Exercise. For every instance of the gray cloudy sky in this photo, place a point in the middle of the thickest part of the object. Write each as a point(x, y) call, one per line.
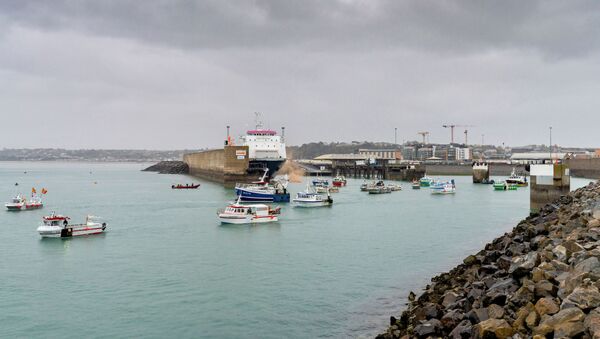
point(171, 74)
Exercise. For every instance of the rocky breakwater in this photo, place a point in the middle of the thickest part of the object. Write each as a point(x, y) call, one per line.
point(541, 280)
point(169, 167)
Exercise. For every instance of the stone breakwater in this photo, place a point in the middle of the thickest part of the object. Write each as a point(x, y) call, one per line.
point(169, 167)
point(541, 280)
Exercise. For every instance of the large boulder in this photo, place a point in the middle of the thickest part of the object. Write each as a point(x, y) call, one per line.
point(560, 253)
point(449, 298)
point(522, 265)
point(495, 312)
point(462, 331)
point(572, 247)
point(428, 311)
point(494, 328)
point(429, 328)
point(591, 264)
point(592, 323)
point(545, 288)
point(566, 323)
point(451, 319)
point(546, 305)
point(584, 297)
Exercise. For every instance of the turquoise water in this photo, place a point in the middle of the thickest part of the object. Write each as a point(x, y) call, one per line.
point(166, 268)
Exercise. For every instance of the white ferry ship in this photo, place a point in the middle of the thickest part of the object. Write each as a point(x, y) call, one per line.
point(266, 149)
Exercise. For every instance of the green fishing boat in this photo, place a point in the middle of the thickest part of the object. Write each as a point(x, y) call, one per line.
point(425, 181)
point(504, 186)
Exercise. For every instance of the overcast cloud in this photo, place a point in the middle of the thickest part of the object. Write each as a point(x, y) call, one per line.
point(173, 74)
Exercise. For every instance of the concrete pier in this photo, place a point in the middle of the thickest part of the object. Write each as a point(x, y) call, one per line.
point(548, 183)
point(481, 172)
point(227, 166)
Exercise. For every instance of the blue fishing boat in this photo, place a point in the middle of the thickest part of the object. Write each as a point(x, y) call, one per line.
point(448, 187)
point(263, 191)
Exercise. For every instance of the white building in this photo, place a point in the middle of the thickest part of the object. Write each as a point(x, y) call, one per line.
point(463, 154)
point(389, 154)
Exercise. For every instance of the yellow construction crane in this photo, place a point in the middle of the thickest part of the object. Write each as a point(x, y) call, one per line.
point(451, 126)
point(425, 136)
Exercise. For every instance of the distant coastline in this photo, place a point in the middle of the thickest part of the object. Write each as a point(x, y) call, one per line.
point(90, 155)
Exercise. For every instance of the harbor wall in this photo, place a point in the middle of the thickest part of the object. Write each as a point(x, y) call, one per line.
point(584, 168)
point(466, 169)
point(225, 166)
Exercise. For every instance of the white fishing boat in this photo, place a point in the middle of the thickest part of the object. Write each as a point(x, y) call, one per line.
point(240, 214)
point(378, 187)
point(515, 179)
point(447, 187)
point(395, 187)
point(57, 226)
point(20, 203)
point(310, 198)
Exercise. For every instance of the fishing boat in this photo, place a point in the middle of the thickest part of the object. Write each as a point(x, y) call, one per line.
point(504, 186)
point(186, 186)
point(364, 187)
point(57, 226)
point(339, 181)
point(310, 198)
point(20, 203)
point(321, 189)
point(395, 187)
point(447, 187)
point(240, 214)
point(263, 191)
point(426, 181)
point(416, 185)
point(515, 179)
point(378, 188)
point(320, 182)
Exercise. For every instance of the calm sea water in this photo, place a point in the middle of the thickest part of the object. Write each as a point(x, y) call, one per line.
point(166, 268)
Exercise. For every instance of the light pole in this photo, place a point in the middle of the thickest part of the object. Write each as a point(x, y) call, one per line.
point(395, 135)
point(551, 144)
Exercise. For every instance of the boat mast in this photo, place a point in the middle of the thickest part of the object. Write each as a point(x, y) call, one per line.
point(258, 120)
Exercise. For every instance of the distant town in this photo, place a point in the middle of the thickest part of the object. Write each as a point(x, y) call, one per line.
point(409, 151)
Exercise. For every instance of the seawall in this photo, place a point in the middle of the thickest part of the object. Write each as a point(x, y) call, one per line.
point(585, 168)
point(466, 169)
point(541, 280)
point(227, 166)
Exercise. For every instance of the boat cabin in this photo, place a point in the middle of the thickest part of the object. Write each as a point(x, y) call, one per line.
point(258, 210)
point(309, 195)
point(17, 200)
point(56, 220)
